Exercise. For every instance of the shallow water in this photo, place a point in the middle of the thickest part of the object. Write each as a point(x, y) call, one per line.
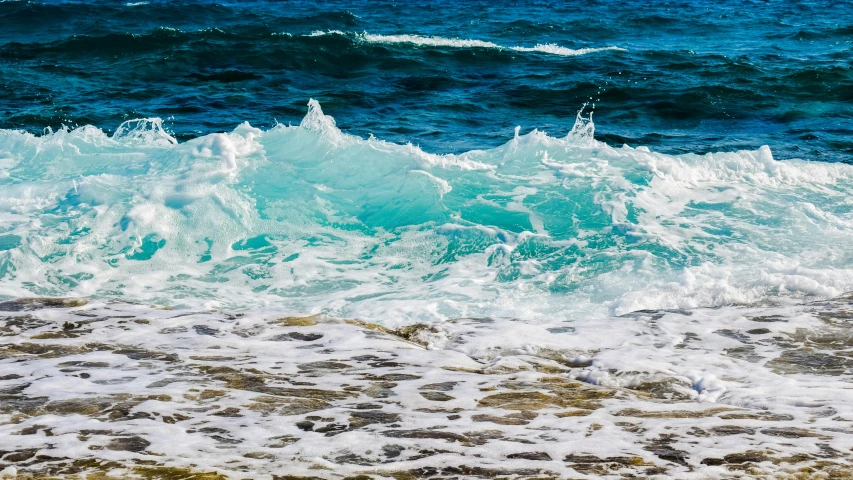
point(126, 391)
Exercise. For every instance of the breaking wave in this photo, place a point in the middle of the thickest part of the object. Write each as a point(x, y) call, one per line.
point(311, 219)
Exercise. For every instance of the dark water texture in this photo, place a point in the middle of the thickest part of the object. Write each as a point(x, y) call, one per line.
point(696, 76)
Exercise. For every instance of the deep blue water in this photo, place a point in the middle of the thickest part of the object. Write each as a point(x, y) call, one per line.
point(694, 76)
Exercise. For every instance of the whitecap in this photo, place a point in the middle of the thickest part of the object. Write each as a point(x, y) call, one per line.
point(438, 41)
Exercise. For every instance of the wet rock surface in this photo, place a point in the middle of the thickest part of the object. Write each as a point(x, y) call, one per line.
point(142, 393)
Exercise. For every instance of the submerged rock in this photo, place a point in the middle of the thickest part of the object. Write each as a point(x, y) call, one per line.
point(129, 444)
point(25, 304)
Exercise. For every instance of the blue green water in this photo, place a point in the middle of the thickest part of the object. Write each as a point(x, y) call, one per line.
point(167, 152)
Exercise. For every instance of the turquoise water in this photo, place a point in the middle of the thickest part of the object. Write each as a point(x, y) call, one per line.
point(420, 200)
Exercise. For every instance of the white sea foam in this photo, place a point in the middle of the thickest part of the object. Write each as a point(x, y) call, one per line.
point(566, 52)
point(430, 41)
point(436, 41)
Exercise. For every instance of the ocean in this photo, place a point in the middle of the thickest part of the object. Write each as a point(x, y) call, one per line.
point(615, 186)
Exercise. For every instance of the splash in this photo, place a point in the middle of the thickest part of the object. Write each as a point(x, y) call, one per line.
point(144, 131)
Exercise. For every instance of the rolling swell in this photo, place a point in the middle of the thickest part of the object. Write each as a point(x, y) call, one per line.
point(38, 20)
